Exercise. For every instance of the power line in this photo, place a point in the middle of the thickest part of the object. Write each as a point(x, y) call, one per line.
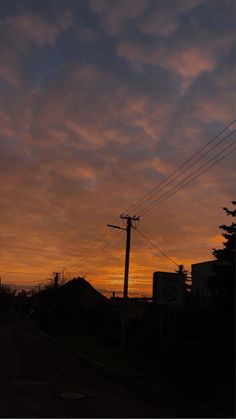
point(189, 181)
point(100, 245)
point(102, 238)
point(139, 207)
point(154, 245)
point(145, 197)
point(100, 241)
point(96, 244)
point(103, 246)
point(178, 186)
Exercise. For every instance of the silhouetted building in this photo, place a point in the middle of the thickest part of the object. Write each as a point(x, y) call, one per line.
point(201, 272)
point(81, 293)
point(202, 275)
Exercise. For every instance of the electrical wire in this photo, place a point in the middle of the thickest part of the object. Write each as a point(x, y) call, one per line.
point(103, 235)
point(186, 166)
point(102, 246)
point(174, 190)
point(154, 245)
point(139, 207)
point(100, 242)
point(184, 183)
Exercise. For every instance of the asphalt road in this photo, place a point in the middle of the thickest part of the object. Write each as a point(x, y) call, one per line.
point(36, 373)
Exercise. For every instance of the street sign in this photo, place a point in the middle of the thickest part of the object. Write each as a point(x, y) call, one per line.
point(168, 288)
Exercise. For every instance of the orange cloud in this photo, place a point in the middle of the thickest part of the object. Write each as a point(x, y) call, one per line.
point(183, 58)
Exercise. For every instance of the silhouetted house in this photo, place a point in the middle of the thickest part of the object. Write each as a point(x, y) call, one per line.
point(71, 305)
point(80, 294)
point(79, 304)
point(201, 272)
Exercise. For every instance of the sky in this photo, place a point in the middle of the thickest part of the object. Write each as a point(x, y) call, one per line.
point(101, 101)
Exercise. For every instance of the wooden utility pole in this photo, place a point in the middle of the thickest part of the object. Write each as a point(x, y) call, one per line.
point(124, 317)
point(127, 253)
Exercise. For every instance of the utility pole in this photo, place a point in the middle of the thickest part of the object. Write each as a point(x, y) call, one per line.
point(127, 253)
point(124, 319)
point(56, 279)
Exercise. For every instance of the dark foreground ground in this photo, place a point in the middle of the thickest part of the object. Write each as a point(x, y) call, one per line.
point(35, 373)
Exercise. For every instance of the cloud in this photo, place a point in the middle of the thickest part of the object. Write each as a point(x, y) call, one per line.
point(117, 13)
point(160, 18)
point(20, 33)
point(211, 97)
point(115, 111)
point(26, 29)
point(165, 17)
point(186, 53)
point(183, 58)
point(86, 34)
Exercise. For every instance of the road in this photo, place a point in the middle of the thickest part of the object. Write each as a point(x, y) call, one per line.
point(36, 373)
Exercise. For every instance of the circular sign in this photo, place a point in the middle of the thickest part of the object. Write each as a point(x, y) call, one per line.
point(170, 293)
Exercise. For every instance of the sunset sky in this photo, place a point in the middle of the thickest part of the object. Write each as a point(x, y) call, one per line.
point(100, 101)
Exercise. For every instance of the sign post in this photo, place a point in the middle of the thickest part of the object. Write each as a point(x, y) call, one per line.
point(168, 288)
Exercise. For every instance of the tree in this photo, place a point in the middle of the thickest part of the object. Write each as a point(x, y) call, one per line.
point(6, 298)
point(228, 252)
point(222, 284)
point(187, 279)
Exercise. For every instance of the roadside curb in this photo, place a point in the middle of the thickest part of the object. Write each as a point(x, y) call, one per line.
point(109, 372)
